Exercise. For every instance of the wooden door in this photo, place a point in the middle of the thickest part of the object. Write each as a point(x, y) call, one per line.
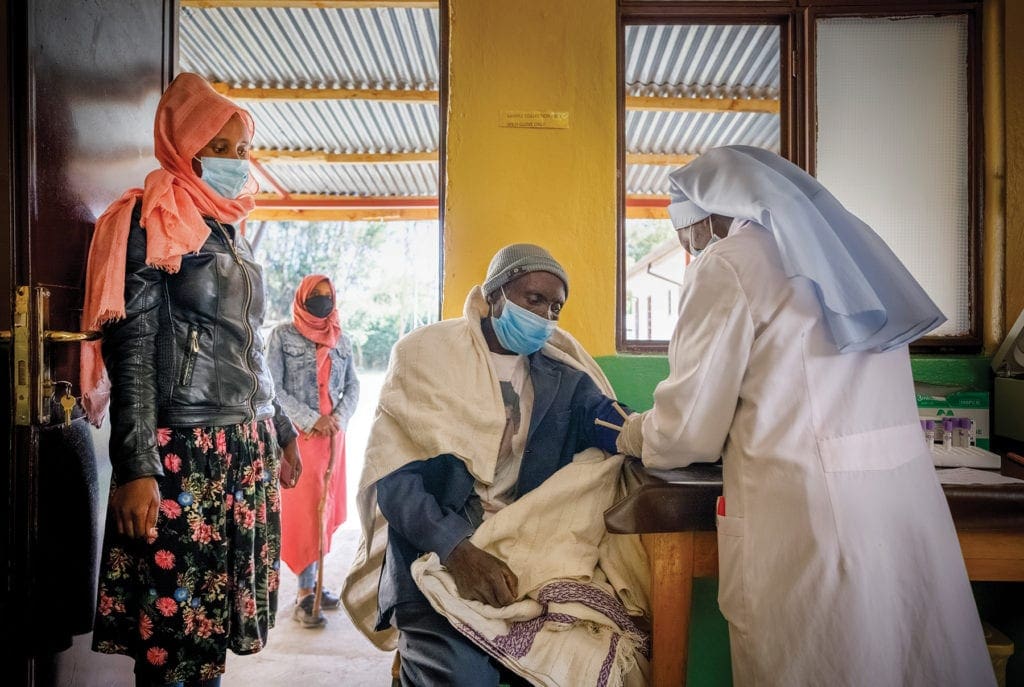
point(81, 80)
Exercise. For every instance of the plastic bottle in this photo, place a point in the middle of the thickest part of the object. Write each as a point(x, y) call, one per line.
point(947, 433)
point(929, 432)
point(970, 434)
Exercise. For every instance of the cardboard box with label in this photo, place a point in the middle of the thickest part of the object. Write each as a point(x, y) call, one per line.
point(938, 403)
point(1008, 385)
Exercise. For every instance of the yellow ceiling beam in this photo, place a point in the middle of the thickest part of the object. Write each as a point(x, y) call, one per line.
point(323, 157)
point(331, 201)
point(650, 103)
point(332, 208)
point(646, 213)
point(381, 94)
point(426, 156)
point(344, 215)
point(311, 4)
point(660, 159)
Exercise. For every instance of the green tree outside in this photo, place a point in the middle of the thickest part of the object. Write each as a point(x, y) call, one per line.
point(385, 275)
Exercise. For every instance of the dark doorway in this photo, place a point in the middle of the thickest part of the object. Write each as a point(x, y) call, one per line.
point(80, 84)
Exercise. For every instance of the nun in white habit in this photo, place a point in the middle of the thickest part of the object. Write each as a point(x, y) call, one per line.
point(839, 563)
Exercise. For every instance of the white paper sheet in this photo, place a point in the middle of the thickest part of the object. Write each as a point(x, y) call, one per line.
point(972, 476)
point(964, 457)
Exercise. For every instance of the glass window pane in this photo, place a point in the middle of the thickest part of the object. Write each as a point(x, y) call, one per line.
point(689, 88)
point(892, 142)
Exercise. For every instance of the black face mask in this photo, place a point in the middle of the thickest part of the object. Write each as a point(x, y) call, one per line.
point(319, 306)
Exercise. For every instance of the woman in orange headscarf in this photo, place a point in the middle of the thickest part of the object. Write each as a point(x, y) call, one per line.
point(311, 361)
point(198, 444)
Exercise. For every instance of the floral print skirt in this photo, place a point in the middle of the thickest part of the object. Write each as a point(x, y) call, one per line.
point(209, 581)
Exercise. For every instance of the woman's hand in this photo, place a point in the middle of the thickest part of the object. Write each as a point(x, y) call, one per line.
point(482, 577)
point(291, 465)
point(134, 506)
point(326, 426)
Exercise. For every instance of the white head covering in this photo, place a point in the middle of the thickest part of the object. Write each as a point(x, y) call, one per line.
point(685, 212)
point(870, 300)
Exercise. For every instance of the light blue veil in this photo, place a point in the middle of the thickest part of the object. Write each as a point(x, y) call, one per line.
point(869, 299)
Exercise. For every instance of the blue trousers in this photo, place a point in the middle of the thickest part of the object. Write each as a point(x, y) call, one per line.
point(435, 653)
point(307, 578)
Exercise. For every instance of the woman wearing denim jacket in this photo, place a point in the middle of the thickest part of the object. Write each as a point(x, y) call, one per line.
point(311, 362)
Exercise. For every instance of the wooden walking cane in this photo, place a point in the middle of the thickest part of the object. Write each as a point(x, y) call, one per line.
point(318, 592)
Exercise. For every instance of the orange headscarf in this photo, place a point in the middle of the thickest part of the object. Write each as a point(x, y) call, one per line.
point(324, 331)
point(174, 202)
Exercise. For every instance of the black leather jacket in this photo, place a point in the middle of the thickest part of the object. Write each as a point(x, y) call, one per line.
point(188, 352)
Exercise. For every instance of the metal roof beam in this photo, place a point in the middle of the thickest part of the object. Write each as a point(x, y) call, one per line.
point(660, 159)
point(344, 215)
point(324, 201)
point(296, 201)
point(651, 103)
point(647, 201)
point(646, 213)
point(381, 94)
point(276, 157)
point(312, 4)
point(330, 208)
point(267, 155)
point(647, 207)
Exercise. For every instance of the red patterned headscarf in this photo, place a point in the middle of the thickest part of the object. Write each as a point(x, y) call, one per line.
point(324, 331)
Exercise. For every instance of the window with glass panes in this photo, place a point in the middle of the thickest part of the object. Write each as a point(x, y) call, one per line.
point(877, 100)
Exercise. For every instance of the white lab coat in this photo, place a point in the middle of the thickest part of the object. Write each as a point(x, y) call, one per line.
point(839, 563)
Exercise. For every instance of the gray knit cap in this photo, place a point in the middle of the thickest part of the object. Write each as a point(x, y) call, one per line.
point(516, 260)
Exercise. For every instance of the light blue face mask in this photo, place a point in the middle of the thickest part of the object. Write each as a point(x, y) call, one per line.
point(694, 251)
point(225, 175)
point(520, 330)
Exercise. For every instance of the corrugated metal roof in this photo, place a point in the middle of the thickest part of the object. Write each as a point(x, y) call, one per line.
point(345, 126)
point(698, 61)
point(373, 48)
point(397, 48)
point(400, 179)
point(695, 132)
point(730, 61)
point(312, 48)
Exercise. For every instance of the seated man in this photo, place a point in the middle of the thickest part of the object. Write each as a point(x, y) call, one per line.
point(475, 413)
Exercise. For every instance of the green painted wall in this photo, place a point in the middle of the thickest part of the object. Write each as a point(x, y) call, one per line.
point(969, 371)
point(635, 376)
point(708, 663)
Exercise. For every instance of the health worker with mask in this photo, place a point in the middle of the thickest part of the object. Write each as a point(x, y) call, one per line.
point(475, 412)
point(839, 563)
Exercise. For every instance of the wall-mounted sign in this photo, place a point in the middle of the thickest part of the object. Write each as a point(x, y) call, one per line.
point(533, 119)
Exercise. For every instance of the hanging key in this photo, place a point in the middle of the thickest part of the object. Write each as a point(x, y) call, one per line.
point(67, 402)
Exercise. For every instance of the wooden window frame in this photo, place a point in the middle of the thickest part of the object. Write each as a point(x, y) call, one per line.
point(797, 22)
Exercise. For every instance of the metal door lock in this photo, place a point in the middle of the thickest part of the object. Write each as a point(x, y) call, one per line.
point(33, 385)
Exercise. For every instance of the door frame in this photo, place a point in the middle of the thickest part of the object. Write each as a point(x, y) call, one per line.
point(18, 146)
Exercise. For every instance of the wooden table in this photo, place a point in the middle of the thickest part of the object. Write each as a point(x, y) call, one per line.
point(676, 521)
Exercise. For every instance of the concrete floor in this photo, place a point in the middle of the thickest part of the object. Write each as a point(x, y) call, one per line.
point(336, 654)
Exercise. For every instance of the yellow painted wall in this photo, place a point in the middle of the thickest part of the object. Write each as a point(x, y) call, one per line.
point(1014, 160)
point(552, 187)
